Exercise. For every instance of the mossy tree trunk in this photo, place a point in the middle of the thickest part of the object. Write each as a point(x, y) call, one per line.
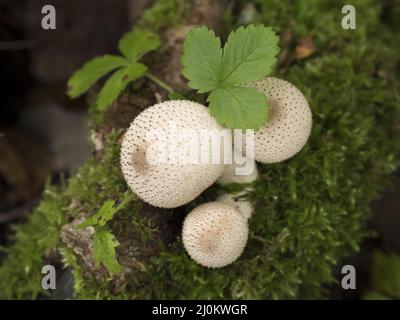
point(311, 211)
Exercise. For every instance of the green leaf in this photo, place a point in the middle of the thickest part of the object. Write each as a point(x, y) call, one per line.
point(202, 59)
point(104, 244)
point(249, 54)
point(239, 107)
point(138, 42)
point(117, 83)
point(92, 71)
point(133, 46)
point(106, 212)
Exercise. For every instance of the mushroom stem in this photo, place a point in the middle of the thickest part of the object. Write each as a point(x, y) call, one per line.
point(245, 207)
point(160, 83)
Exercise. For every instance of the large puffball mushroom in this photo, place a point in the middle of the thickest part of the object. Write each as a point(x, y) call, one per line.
point(236, 200)
point(157, 149)
point(214, 234)
point(289, 126)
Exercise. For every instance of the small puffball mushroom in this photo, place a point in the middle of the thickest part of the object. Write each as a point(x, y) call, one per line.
point(214, 234)
point(169, 183)
point(289, 126)
point(245, 207)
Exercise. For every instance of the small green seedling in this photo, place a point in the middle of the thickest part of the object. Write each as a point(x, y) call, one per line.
point(104, 242)
point(248, 56)
point(126, 67)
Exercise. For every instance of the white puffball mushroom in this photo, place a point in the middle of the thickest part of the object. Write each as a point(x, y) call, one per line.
point(214, 234)
point(289, 125)
point(176, 180)
point(244, 206)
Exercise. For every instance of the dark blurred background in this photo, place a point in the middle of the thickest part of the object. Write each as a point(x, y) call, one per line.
point(43, 134)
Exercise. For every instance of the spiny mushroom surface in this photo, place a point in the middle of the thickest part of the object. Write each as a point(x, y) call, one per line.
point(214, 234)
point(168, 184)
point(236, 200)
point(289, 126)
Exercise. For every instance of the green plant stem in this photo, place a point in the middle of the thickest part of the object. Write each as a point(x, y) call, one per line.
point(160, 83)
point(127, 198)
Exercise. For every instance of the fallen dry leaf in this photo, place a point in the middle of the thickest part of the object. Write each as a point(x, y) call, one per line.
point(305, 48)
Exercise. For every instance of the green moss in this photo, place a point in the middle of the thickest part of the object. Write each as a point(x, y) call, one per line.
point(20, 273)
point(311, 211)
point(69, 260)
point(163, 14)
point(98, 181)
point(93, 184)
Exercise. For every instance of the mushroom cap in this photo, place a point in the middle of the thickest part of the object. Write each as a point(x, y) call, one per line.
point(168, 184)
point(214, 234)
point(289, 126)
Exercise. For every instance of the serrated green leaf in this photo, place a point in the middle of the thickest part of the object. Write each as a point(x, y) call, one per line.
point(249, 54)
point(238, 107)
point(92, 71)
point(104, 244)
point(202, 59)
point(133, 45)
point(117, 83)
point(107, 212)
